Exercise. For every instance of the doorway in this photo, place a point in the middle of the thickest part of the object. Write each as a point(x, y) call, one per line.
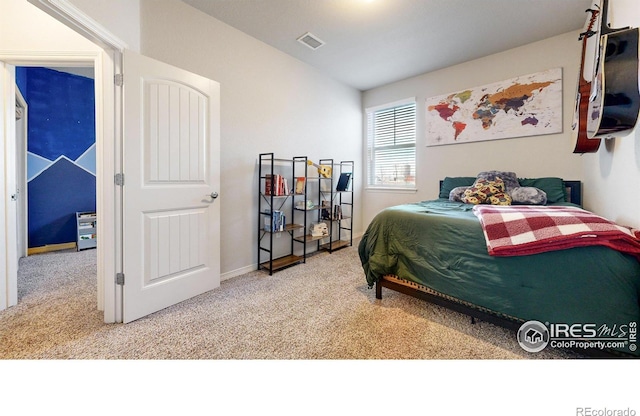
point(55, 159)
point(60, 161)
point(65, 37)
point(102, 66)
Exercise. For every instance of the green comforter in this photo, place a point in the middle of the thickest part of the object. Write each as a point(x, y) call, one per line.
point(440, 244)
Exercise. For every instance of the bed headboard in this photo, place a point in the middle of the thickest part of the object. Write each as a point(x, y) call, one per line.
point(573, 190)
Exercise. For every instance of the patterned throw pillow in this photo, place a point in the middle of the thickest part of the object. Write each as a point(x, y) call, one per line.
point(482, 189)
point(457, 193)
point(499, 199)
point(510, 179)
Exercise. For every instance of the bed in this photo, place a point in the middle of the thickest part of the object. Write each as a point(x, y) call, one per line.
point(436, 250)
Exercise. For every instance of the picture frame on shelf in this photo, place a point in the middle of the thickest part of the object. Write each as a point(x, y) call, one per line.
point(343, 182)
point(300, 185)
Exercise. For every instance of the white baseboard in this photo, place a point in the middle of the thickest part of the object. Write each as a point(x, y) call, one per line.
point(248, 269)
point(238, 272)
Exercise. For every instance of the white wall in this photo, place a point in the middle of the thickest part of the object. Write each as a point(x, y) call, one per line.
point(607, 175)
point(612, 180)
point(24, 27)
point(270, 102)
point(122, 17)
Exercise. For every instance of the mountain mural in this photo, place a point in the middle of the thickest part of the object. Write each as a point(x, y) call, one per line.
point(54, 197)
point(38, 164)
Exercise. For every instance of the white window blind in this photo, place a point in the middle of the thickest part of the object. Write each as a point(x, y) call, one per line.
point(391, 145)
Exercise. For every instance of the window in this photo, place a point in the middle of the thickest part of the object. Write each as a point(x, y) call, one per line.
point(391, 145)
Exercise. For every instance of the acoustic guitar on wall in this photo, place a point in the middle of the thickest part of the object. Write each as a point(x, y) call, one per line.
point(614, 103)
point(579, 126)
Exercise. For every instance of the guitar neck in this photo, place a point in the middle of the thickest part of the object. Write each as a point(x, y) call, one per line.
point(584, 37)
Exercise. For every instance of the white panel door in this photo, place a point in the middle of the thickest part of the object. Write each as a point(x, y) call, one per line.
point(171, 221)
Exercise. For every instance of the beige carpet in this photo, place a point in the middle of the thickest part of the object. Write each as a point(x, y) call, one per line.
point(319, 310)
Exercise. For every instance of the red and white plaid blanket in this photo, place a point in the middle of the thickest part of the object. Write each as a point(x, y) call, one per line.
point(523, 230)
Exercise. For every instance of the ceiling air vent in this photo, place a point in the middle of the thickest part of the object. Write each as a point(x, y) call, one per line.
point(310, 40)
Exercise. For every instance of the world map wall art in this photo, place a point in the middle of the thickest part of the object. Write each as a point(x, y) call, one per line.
point(528, 105)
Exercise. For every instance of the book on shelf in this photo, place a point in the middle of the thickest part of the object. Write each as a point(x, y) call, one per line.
point(337, 212)
point(334, 214)
point(268, 183)
point(276, 185)
point(343, 182)
point(274, 221)
point(324, 213)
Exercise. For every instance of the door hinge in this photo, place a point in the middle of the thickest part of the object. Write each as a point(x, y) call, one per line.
point(118, 79)
point(120, 279)
point(119, 179)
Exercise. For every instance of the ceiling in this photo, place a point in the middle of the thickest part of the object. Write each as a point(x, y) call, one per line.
point(369, 43)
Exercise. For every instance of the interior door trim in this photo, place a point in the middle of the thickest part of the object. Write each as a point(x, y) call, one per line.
point(108, 147)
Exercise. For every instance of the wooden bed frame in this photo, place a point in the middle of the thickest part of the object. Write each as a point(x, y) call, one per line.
point(574, 195)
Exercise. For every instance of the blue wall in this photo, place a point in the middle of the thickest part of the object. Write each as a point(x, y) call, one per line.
point(60, 152)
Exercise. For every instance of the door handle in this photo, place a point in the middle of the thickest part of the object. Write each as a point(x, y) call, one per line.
point(213, 195)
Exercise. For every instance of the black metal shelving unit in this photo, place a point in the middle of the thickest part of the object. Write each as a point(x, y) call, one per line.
point(309, 199)
point(339, 210)
point(271, 204)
